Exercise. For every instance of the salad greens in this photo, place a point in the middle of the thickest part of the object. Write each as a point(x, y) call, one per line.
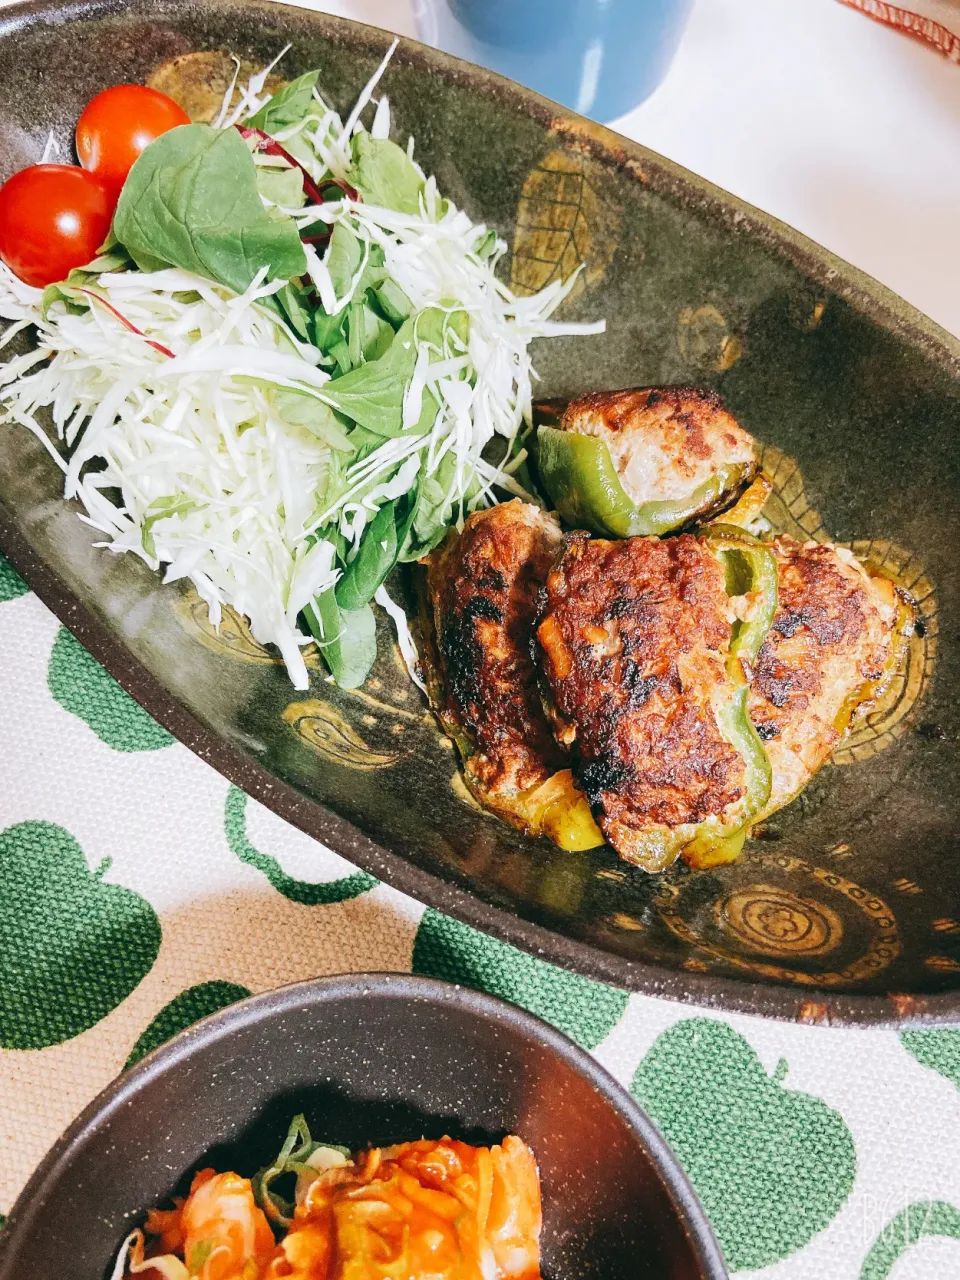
point(191, 201)
point(287, 106)
point(295, 362)
point(385, 175)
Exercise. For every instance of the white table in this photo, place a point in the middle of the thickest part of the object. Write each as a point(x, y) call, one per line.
point(844, 129)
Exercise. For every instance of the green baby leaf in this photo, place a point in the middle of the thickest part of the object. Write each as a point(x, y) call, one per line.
point(287, 106)
point(486, 246)
point(328, 330)
point(160, 509)
point(343, 258)
point(435, 324)
point(368, 332)
point(300, 409)
point(374, 560)
point(191, 201)
point(384, 174)
point(393, 302)
point(434, 512)
point(82, 278)
point(293, 306)
point(346, 638)
point(373, 394)
point(281, 185)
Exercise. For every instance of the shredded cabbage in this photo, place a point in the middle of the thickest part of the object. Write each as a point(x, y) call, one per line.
point(215, 485)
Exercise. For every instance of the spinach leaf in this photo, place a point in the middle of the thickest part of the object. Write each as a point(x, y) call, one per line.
point(374, 273)
point(300, 409)
point(173, 505)
point(373, 394)
point(346, 638)
point(292, 304)
point(375, 558)
point(365, 442)
point(355, 334)
point(343, 258)
point(486, 246)
point(191, 201)
point(434, 322)
point(333, 488)
point(434, 514)
point(82, 278)
point(341, 353)
point(287, 106)
point(368, 334)
point(301, 151)
point(283, 186)
point(327, 330)
point(526, 474)
point(384, 174)
point(393, 302)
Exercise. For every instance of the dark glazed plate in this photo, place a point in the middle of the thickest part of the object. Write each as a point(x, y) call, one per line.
point(369, 1058)
point(851, 894)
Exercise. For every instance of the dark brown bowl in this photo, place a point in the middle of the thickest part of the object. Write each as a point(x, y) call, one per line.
point(847, 905)
point(368, 1058)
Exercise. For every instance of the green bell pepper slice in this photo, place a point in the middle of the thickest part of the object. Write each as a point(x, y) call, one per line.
point(751, 569)
point(716, 842)
point(578, 474)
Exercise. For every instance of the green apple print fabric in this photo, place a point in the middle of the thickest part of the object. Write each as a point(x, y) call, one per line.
point(772, 1166)
point(183, 1011)
point(72, 945)
point(83, 688)
point(584, 1010)
point(140, 892)
point(11, 584)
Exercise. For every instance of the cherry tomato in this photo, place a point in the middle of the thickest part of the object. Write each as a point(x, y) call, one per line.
point(118, 124)
point(53, 217)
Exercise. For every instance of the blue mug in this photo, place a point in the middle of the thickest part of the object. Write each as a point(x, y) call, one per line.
point(600, 57)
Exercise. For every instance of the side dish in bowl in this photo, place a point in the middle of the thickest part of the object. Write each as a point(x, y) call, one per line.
point(422, 1210)
point(461, 1137)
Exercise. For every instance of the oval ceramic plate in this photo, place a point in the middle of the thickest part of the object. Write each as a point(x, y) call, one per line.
point(848, 907)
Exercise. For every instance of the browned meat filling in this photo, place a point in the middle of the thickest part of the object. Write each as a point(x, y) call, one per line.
point(664, 441)
point(483, 587)
point(635, 636)
point(830, 646)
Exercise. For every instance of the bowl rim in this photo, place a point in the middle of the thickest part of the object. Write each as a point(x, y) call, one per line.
point(807, 1004)
point(125, 1089)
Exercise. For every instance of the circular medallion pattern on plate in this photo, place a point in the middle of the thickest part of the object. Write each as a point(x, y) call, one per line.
point(801, 924)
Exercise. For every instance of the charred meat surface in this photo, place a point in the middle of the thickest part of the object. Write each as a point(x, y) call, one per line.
point(635, 635)
point(830, 647)
point(483, 587)
point(665, 442)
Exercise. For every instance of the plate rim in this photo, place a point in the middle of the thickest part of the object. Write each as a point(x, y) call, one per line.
point(812, 1005)
point(124, 1089)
